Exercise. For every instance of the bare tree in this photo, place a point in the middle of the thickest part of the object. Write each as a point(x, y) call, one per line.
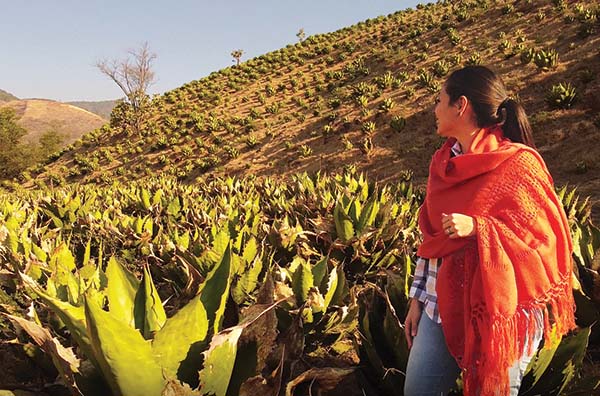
point(237, 55)
point(301, 35)
point(133, 75)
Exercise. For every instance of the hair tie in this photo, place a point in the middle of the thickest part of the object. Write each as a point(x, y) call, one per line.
point(505, 102)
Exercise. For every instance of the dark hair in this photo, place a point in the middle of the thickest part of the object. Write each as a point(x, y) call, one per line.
point(490, 102)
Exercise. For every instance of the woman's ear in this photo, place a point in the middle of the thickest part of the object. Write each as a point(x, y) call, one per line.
point(462, 104)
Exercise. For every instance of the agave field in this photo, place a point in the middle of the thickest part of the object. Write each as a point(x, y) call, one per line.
point(236, 287)
point(186, 281)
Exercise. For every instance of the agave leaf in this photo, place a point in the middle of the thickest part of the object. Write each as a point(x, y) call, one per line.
point(215, 291)
point(332, 284)
point(342, 289)
point(247, 283)
point(302, 280)
point(125, 358)
point(250, 250)
point(327, 378)
point(368, 215)
point(61, 259)
point(73, 317)
point(174, 207)
point(64, 359)
point(148, 310)
point(220, 244)
point(178, 345)
point(220, 358)
point(319, 270)
point(121, 291)
point(145, 199)
point(343, 223)
point(354, 211)
point(407, 274)
point(550, 371)
point(156, 198)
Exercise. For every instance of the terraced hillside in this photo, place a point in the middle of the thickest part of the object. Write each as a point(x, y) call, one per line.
point(363, 96)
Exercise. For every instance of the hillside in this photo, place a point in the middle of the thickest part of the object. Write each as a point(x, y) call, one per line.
point(39, 116)
point(363, 96)
point(101, 108)
point(6, 96)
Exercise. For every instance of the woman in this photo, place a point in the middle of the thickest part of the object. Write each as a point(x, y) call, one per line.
point(494, 268)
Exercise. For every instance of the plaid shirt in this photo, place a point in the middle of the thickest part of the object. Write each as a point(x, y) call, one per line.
point(423, 286)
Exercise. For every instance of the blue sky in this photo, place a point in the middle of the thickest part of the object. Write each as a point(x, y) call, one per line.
point(49, 47)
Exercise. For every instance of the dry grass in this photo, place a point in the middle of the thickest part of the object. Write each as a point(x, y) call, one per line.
point(38, 116)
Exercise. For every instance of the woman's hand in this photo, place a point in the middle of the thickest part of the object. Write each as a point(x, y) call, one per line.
point(458, 225)
point(412, 320)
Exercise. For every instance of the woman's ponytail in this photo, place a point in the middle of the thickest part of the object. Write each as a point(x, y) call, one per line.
point(491, 104)
point(515, 125)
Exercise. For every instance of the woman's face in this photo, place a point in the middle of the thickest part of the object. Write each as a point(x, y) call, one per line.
point(446, 114)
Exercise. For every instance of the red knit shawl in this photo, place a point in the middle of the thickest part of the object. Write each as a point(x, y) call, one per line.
point(520, 258)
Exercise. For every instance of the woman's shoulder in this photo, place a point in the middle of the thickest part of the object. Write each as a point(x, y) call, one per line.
point(527, 163)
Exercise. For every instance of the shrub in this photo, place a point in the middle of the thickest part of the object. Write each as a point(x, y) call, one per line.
point(386, 105)
point(305, 151)
point(398, 123)
point(385, 81)
point(454, 37)
point(368, 127)
point(441, 68)
point(546, 59)
point(527, 55)
point(561, 96)
point(507, 9)
point(474, 59)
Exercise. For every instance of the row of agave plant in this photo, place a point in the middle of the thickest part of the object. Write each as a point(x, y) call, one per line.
point(238, 286)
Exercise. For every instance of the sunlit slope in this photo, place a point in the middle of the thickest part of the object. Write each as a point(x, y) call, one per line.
point(363, 96)
point(38, 116)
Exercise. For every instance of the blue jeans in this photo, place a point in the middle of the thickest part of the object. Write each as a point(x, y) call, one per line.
point(432, 371)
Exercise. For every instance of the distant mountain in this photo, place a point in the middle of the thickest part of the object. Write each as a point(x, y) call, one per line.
point(102, 108)
point(6, 97)
point(39, 116)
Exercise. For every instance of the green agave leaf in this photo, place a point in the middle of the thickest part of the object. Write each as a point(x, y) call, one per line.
point(332, 284)
point(39, 252)
point(215, 290)
point(355, 210)
point(178, 345)
point(302, 280)
point(341, 290)
point(73, 317)
point(62, 259)
point(87, 254)
point(156, 198)
point(145, 199)
point(343, 223)
point(219, 359)
point(125, 358)
point(319, 270)
point(148, 310)
point(174, 207)
point(65, 361)
point(121, 291)
point(559, 368)
point(250, 250)
point(247, 283)
point(221, 243)
point(368, 215)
